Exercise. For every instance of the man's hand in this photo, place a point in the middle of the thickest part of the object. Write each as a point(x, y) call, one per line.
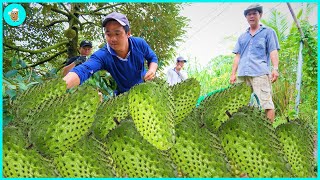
point(233, 78)
point(149, 75)
point(80, 60)
point(274, 76)
point(72, 79)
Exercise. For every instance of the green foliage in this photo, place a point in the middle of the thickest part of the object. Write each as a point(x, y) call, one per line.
point(160, 24)
point(16, 82)
point(278, 22)
point(214, 76)
point(47, 23)
point(40, 44)
point(285, 88)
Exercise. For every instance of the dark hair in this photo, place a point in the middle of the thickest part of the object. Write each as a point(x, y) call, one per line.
point(126, 27)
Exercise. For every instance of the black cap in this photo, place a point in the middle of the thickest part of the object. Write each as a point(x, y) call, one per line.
point(257, 7)
point(85, 43)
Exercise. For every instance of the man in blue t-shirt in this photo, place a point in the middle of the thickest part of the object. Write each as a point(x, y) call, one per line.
point(123, 57)
point(254, 50)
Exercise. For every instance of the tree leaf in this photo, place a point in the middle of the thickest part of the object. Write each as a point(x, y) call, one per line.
point(32, 83)
point(11, 73)
point(22, 63)
point(23, 86)
point(14, 62)
point(11, 86)
point(12, 93)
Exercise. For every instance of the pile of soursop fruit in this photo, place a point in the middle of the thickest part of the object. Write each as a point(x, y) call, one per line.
point(153, 130)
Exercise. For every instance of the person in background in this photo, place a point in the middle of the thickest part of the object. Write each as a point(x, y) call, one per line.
point(254, 50)
point(85, 50)
point(123, 57)
point(176, 74)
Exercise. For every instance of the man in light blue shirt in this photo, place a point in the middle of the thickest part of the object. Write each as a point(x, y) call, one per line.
point(123, 57)
point(254, 50)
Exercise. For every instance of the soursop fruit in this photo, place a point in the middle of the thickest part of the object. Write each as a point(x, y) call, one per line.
point(133, 156)
point(298, 146)
point(18, 161)
point(185, 95)
point(252, 147)
point(217, 107)
point(60, 127)
point(87, 158)
point(197, 152)
point(33, 99)
point(70, 33)
point(109, 114)
point(151, 111)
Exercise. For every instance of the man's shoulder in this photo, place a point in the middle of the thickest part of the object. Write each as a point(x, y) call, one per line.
point(138, 41)
point(170, 69)
point(73, 58)
point(268, 29)
point(101, 52)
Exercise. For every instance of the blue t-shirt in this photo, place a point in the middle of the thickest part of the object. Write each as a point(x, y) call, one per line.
point(126, 72)
point(255, 51)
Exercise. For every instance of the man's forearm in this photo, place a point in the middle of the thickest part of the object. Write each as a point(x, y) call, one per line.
point(235, 64)
point(274, 58)
point(153, 67)
point(66, 69)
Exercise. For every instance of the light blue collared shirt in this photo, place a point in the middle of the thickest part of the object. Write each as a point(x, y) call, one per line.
point(255, 51)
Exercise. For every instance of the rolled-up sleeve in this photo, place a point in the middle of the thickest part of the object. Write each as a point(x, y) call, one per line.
point(88, 68)
point(236, 49)
point(272, 43)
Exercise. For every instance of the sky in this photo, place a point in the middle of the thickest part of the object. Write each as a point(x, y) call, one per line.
point(212, 23)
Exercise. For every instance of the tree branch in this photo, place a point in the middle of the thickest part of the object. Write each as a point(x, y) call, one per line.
point(56, 10)
point(106, 7)
point(45, 60)
point(36, 51)
point(71, 14)
point(91, 23)
point(55, 22)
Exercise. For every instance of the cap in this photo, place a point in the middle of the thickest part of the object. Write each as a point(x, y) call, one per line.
point(121, 18)
point(257, 7)
point(85, 43)
point(180, 58)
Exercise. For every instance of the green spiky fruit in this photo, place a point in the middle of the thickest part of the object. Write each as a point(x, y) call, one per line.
point(133, 156)
point(197, 152)
point(185, 96)
point(60, 127)
point(252, 146)
point(70, 33)
point(151, 111)
point(33, 99)
point(215, 108)
point(21, 162)
point(86, 158)
point(109, 114)
point(298, 146)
